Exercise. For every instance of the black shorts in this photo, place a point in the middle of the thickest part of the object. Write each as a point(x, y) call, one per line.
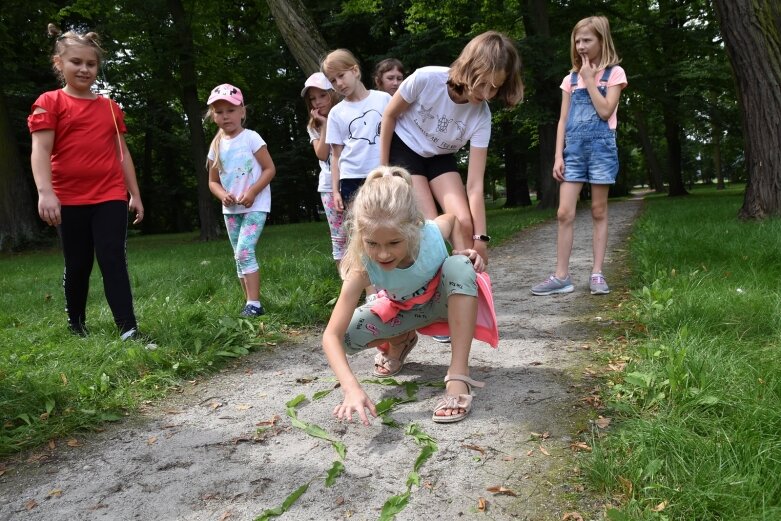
point(348, 187)
point(429, 167)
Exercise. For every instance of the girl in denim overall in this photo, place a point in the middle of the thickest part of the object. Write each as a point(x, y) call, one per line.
point(586, 147)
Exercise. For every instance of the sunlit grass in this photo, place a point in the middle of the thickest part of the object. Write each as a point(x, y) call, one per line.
point(697, 413)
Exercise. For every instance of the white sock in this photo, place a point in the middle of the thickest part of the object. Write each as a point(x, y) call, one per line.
point(127, 334)
point(255, 303)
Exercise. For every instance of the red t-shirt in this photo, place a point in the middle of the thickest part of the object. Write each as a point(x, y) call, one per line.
point(85, 156)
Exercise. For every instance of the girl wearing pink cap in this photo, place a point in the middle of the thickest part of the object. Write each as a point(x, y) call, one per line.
point(240, 170)
point(319, 97)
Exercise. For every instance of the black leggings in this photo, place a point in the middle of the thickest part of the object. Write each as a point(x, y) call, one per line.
point(86, 232)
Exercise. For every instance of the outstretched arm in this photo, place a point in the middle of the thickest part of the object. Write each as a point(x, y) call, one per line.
point(355, 398)
point(395, 108)
point(475, 194)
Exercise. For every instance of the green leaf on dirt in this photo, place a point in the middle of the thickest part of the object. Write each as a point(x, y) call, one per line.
point(286, 504)
point(295, 401)
point(413, 479)
point(336, 470)
point(393, 506)
point(313, 430)
point(321, 394)
point(425, 453)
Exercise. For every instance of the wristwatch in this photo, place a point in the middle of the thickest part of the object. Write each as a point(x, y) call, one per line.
point(484, 238)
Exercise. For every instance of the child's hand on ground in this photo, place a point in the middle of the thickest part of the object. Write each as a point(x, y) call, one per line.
point(472, 255)
point(355, 401)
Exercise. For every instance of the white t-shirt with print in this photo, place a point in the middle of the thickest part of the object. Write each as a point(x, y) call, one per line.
point(434, 124)
point(240, 170)
point(324, 183)
point(356, 125)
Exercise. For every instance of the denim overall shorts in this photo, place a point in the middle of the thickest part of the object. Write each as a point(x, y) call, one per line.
point(590, 152)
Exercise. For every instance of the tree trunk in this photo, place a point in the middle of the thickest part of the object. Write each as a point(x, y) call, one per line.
point(516, 181)
point(716, 144)
point(18, 222)
point(672, 132)
point(300, 33)
point(752, 36)
point(656, 179)
point(192, 108)
point(537, 25)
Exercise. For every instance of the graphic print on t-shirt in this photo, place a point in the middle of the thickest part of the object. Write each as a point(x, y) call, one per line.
point(442, 124)
point(366, 127)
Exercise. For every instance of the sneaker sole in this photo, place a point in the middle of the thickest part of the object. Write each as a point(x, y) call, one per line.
point(600, 292)
point(565, 289)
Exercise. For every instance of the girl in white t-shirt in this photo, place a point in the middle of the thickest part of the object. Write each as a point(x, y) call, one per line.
point(319, 98)
point(435, 112)
point(240, 170)
point(353, 126)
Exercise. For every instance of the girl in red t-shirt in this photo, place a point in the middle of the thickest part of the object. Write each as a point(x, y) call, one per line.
point(83, 172)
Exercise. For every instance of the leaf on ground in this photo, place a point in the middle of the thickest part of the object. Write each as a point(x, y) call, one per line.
point(530, 452)
point(336, 470)
point(504, 491)
point(602, 422)
point(542, 449)
point(508, 458)
point(482, 504)
point(64, 379)
point(225, 515)
point(627, 486)
point(661, 506)
point(243, 406)
point(52, 444)
point(393, 506)
point(580, 446)
point(151, 440)
point(306, 379)
point(571, 516)
point(545, 435)
point(57, 492)
point(215, 405)
point(474, 447)
point(267, 423)
point(30, 504)
point(73, 442)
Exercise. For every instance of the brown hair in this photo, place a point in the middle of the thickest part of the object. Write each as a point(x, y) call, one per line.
point(388, 64)
point(385, 199)
point(481, 59)
point(69, 39)
point(601, 27)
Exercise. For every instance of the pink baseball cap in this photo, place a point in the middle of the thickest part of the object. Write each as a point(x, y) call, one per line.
point(226, 92)
point(318, 80)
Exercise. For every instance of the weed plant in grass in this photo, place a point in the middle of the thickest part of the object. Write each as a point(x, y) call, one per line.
point(187, 298)
point(699, 404)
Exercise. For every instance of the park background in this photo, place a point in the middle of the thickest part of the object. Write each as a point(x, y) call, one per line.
point(695, 398)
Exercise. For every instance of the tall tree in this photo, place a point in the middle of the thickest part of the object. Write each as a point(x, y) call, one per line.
point(752, 36)
point(300, 33)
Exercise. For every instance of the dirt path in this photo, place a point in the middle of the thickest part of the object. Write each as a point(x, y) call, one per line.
point(199, 455)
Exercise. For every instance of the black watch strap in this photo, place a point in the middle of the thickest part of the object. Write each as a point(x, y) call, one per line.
point(484, 238)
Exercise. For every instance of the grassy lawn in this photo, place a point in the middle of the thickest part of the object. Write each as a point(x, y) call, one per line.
point(696, 430)
point(187, 297)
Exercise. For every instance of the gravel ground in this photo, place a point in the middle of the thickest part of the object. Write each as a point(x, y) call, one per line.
point(199, 455)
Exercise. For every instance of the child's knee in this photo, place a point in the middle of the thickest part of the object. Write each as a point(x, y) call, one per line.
point(459, 275)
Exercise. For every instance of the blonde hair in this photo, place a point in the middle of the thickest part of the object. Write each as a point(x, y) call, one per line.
point(601, 27)
point(314, 123)
point(484, 56)
point(70, 39)
point(388, 64)
point(214, 147)
point(385, 199)
point(340, 60)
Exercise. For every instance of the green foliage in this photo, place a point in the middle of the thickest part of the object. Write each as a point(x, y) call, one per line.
point(696, 414)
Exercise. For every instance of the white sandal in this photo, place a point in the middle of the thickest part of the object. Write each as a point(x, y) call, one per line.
point(393, 366)
point(458, 401)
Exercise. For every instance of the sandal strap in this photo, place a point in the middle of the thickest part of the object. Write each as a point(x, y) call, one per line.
point(451, 401)
point(468, 381)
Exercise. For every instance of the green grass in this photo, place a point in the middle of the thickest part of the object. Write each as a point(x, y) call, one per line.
point(187, 298)
point(697, 412)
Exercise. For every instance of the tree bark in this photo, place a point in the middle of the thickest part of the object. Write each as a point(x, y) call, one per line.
point(516, 181)
point(300, 33)
point(656, 179)
point(192, 107)
point(18, 222)
point(752, 36)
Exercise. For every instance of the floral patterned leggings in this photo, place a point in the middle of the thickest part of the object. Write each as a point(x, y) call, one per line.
point(336, 224)
point(244, 230)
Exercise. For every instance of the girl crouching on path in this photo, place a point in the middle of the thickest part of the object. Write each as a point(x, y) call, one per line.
point(392, 247)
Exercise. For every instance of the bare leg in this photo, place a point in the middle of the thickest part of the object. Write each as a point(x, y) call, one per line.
point(599, 222)
point(461, 317)
point(568, 201)
point(423, 196)
point(251, 284)
point(449, 191)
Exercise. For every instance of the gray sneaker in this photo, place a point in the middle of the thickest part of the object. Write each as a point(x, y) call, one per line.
point(598, 285)
point(553, 285)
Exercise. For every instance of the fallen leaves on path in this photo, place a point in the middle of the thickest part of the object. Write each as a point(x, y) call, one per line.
point(482, 504)
point(73, 442)
point(30, 504)
point(151, 440)
point(474, 447)
point(602, 422)
point(266, 423)
point(580, 446)
point(503, 491)
point(57, 492)
point(225, 515)
point(542, 449)
point(661, 506)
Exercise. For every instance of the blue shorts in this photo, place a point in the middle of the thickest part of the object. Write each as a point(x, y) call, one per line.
point(591, 159)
